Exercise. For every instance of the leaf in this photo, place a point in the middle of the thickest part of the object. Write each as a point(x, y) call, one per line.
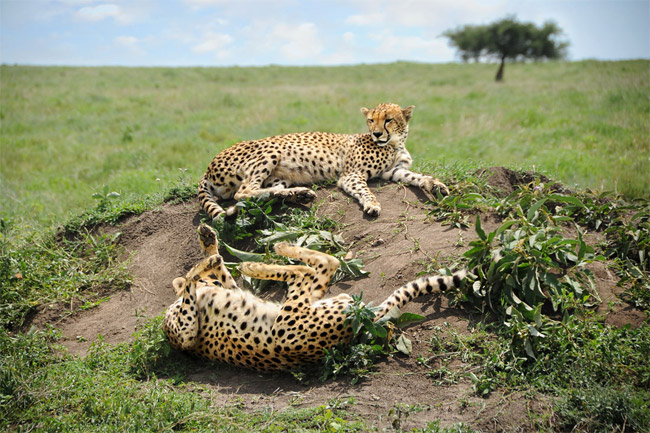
point(533, 209)
point(243, 255)
point(474, 251)
point(538, 315)
point(529, 349)
point(279, 237)
point(477, 288)
point(404, 345)
point(353, 268)
point(376, 330)
point(479, 229)
point(406, 319)
point(566, 199)
point(505, 226)
point(534, 332)
point(390, 316)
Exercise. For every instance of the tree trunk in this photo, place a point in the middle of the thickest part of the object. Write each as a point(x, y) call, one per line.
point(499, 76)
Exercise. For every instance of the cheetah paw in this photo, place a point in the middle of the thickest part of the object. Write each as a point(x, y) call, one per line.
point(372, 209)
point(432, 185)
point(231, 212)
point(282, 248)
point(208, 239)
point(250, 269)
point(303, 195)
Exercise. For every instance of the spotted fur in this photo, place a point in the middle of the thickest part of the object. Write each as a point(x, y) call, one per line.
point(215, 319)
point(275, 165)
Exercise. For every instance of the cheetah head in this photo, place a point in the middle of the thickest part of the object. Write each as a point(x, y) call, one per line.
point(388, 123)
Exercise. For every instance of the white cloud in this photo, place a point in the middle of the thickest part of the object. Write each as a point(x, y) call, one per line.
point(297, 43)
point(76, 2)
point(196, 4)
point(126, 40)
point(216, 43)
point(390, 46)
point(369, 19)
point(430, 13)
point(103, 11)
point(205, 2)
point(130, 44)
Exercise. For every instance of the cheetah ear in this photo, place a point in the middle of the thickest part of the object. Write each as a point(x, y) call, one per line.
point(179, 284)
point(407, 112)
point(365, 111)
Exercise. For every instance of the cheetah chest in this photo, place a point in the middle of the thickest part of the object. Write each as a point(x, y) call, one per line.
point(238, 328)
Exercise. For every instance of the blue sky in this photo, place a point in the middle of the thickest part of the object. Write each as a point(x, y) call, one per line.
point(294, 32)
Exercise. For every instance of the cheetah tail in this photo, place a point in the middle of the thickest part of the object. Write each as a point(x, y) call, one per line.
point(420, 287)
point(208, 201)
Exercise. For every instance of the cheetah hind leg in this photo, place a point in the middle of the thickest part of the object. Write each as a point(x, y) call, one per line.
point(208, 240)
point(210, 204)
point(323, 264)
point(301, 280)
point(263, 271)
point(298, 194)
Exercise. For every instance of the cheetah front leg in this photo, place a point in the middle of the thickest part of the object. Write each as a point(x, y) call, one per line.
point(355, 184)
point(307, 284)
point(181, 322)
point(323, 265)
point(400, 172)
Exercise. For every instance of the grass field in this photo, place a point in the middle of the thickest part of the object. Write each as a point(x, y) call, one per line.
point(67, 132)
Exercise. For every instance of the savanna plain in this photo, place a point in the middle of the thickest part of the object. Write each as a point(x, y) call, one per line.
point(549, 174)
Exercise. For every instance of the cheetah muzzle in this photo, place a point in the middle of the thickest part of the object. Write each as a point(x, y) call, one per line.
point(215, 319)
point(279, 165)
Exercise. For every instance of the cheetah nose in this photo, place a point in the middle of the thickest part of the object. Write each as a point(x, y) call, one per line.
point(377, 134)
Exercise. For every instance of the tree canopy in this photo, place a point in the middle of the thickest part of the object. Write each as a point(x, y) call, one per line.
point(508, 39)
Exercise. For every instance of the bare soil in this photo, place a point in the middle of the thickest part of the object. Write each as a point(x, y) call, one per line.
point(161, 245)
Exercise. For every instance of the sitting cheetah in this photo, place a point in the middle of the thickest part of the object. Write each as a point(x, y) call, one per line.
point(274, 165)
point(215, 319)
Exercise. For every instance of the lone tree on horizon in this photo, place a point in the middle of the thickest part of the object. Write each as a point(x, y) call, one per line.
point(508, 39)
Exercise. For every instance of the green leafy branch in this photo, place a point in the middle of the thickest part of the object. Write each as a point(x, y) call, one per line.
point(527, 265)
point(371, 339)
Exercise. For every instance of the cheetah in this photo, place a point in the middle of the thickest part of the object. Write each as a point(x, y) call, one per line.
point(275, 165)
point(215, 319)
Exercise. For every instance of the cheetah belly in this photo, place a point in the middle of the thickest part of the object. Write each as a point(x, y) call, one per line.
point(234, 326)
point(297, 174)
point(303, 165)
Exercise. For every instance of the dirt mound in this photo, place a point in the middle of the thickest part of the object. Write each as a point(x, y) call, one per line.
point(395, 247)
point(505, 181)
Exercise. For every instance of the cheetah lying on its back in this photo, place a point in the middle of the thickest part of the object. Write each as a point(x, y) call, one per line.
point(274, 165)
point(215, 319)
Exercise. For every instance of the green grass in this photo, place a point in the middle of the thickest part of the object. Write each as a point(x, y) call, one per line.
point(115, 389)
point(67, 132)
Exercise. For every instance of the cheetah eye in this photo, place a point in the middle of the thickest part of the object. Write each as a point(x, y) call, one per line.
point(370, 121)
point(388, 121)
